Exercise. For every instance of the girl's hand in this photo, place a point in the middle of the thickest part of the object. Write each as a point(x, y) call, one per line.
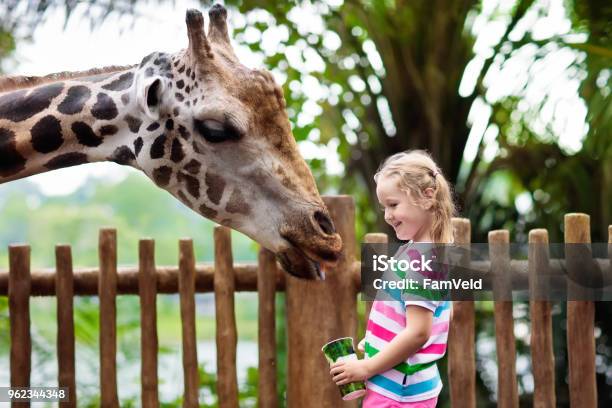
point(361, 345)
point(348, 371)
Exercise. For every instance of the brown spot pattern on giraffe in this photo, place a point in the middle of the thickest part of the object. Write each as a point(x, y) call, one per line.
point(177, 154)
point(18, 106)
point(120, 84)
point(195, 147)
point(215, 185)
point(85, 134)
point(104, 108)
point(47, 135)
point(237, 203)
point(183, 132)
point(153, 126)
point(75, 100)
point(66, 160)
point(207, 211)
point(192, 183)
point(122, 155)
point(138, 145)
point(146, 59)
point(157, 148)
point(159, 60)
point(133, 123)
point(11, 162)
point(161, 175)
point(193, 166)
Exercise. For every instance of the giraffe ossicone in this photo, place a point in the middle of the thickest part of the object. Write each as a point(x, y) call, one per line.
point(212, 132)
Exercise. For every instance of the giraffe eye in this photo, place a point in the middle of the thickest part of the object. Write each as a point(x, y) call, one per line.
point(214, 131)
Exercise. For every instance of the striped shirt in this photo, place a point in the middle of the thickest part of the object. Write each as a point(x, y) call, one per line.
point(417, 378)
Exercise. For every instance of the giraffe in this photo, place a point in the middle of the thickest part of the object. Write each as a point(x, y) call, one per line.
point(198, 123)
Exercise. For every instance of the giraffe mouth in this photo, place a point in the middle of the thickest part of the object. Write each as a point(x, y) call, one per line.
point(295, 262)
point(303, 264)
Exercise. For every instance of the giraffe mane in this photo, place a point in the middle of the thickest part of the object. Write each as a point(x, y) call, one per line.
point(13, 83)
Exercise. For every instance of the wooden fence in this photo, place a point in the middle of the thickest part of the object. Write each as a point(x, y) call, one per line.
point(316, 313)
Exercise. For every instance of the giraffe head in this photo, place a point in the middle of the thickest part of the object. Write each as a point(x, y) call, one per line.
point(224, 147)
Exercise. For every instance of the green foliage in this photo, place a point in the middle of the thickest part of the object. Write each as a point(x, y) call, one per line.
point(340, 72)
point(344, 62)
point(134, 206)
point(7, 44)
point(340, 59)
point(248, 394)
point(552, 177)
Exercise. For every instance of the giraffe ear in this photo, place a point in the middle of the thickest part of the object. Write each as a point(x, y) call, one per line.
point(149, 96)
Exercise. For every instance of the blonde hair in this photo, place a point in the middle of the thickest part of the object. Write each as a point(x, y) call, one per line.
point(417, 171)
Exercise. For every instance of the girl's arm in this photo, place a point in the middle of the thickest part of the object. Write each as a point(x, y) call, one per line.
point(406, 343)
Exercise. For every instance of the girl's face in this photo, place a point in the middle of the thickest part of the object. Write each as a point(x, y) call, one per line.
point(409, 219)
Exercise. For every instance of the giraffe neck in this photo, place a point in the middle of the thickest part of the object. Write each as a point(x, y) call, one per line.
point(71, 122)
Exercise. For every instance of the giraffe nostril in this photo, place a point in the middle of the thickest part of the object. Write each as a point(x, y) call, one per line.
point(322, 219)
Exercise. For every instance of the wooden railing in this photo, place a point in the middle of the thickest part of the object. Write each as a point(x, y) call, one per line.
point(316, 313)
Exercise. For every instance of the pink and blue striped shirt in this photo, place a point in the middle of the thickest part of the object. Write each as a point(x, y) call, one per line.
point(417, 378)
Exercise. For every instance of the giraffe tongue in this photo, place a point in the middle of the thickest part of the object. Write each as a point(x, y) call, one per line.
point(320, 271)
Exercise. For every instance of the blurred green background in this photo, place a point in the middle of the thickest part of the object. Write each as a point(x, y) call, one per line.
point(512, 98)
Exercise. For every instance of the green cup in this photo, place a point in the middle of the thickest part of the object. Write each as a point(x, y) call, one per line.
point(342, 349)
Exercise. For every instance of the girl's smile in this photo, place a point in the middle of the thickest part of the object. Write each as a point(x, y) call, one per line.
point(409, 219)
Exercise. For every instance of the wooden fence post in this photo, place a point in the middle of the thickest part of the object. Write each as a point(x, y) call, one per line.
point(580, 326)
point(320, 311)
point(147, 290)
point(187, 298)
point(226, 335)
point(461, 337)
point(64, 290)
point(499, 250)
point(266, 334)
point(107, 292)
point(19, 316)
point(542, 355)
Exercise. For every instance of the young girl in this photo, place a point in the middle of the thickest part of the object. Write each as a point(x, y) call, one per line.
point(405, 338)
